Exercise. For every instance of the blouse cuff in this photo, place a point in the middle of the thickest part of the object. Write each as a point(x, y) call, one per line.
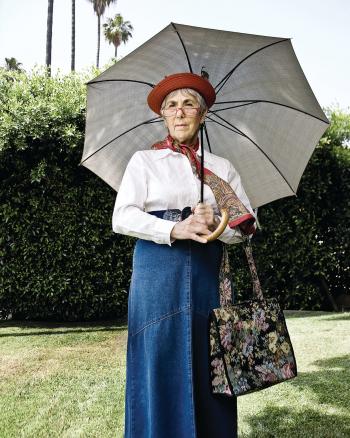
point(163, 230)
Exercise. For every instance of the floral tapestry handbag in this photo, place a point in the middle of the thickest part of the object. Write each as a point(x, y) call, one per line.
point(249, 344)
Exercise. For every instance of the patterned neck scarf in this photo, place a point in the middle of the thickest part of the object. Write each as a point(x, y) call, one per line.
point(224, 195)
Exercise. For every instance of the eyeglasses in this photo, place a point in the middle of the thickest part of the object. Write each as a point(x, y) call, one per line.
point(188, 111)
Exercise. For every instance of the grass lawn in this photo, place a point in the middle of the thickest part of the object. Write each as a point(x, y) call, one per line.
point(68, 380)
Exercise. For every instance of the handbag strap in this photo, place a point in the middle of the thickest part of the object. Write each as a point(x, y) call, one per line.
point(225, 280)
point(257, 291)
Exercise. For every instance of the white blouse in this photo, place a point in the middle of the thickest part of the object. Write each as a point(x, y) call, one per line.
point(163, 179)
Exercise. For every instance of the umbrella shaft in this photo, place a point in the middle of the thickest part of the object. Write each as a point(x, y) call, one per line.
point(202, 165)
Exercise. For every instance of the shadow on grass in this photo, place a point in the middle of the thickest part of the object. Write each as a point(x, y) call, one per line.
point(68, 327)
point(312, 314)
point(276, 422)
point(339, 317)
point(330, 386)
point(332, 316)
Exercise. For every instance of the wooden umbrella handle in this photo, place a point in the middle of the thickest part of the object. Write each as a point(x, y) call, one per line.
point(220, 228)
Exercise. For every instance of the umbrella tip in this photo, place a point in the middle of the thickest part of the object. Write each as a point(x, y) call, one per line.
point(204, 73)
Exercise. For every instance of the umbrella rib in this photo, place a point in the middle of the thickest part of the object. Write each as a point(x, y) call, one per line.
point(115, 138)
point(231, 107)
point(229, 74)
point(267, 101)
point(154, 121)
point(207, 136)
point(260, 149)
point(121, 80)
point(184, 47)
point(227, 127)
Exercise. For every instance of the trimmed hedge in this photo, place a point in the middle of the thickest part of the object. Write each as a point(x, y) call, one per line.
point(59, 256)
point(302, 251)
point(60, 259)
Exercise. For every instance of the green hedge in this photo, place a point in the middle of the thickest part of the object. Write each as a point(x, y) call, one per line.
point(60, 259)
point(303, 248)
point(59, 256)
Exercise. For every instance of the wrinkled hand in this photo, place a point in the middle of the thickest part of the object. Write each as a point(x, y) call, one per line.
point(206, 211)
point(202, 221)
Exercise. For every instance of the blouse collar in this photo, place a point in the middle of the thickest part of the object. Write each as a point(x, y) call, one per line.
point(162, 153)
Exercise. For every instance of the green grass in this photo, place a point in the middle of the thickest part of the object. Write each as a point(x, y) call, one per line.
point(317, 402)
point(68, 380)
point(62, 380)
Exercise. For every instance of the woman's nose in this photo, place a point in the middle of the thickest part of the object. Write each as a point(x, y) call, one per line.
point(182, 111)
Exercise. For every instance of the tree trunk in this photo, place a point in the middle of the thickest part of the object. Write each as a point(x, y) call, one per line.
point(49, 36)
point(72, 64)
point(325, 288)
point(98, 40)
point(116, 50)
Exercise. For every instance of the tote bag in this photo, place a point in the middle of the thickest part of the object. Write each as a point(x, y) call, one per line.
point(250, 348)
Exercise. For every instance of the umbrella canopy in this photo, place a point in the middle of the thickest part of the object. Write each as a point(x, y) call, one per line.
point(265, 120)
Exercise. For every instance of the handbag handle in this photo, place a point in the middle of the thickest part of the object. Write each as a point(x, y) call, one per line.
point(225, 282)
point(257, 291)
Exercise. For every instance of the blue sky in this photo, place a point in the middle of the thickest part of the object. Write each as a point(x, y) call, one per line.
point(319, 30)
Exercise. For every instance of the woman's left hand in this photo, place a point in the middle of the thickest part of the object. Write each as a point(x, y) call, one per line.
point(206, 211)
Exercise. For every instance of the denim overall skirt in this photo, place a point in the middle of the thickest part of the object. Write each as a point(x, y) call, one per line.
point(172, 292)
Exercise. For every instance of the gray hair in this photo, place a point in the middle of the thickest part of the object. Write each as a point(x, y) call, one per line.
point(202, 104)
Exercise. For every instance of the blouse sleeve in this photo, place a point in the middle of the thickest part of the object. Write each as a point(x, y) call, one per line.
point(234, 235)
point(129, 216)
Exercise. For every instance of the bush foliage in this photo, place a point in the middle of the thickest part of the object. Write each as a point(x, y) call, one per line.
point(302, 251)
point(59, 256)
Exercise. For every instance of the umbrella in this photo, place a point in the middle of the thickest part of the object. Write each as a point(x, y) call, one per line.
point(266, 119)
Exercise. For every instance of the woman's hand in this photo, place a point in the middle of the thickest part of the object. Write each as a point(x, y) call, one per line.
point(207, 213)
point(190, 228)
point(202, 221)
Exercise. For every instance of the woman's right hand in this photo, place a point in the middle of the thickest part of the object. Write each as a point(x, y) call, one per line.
point(190, 228)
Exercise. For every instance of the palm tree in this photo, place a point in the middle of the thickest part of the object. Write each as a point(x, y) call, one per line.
point(72, 63)
point(13, 64)
point(99, 8)
point(49, 36)
point(116, 31)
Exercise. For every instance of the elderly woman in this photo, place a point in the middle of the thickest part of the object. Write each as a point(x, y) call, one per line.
point(175, 277)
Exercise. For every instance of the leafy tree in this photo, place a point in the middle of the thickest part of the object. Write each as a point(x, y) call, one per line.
point(99, 8)
point(13, 64)
point(49, 36)
point(116, 31)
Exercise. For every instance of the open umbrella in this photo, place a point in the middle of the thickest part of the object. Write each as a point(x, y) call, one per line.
point(266, 119)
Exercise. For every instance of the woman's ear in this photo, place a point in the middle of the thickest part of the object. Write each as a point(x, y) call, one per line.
point(203, 116)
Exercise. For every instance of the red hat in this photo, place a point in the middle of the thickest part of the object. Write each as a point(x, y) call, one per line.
point(180, 80)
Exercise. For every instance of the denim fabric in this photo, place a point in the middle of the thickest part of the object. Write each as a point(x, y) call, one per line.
point(167, 392)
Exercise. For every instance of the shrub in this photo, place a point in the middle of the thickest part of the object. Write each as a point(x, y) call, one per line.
point(59, 256)
point(302, 251)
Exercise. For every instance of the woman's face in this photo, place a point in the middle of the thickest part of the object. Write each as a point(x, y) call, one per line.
point(183, 128)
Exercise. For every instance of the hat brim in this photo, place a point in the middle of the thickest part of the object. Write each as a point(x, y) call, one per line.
point(177, 81)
